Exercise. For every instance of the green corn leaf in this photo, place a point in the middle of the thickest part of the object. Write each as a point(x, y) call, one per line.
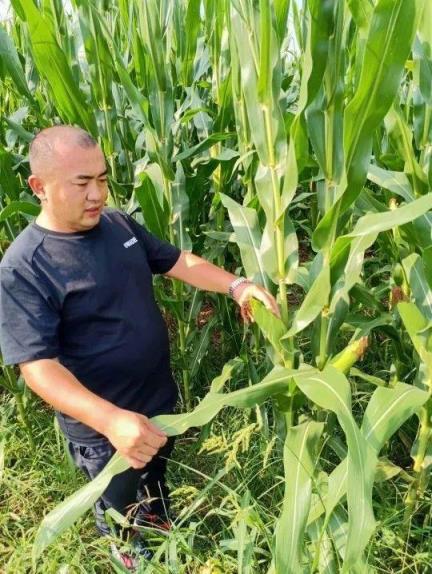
point(401, 135)
point(18, 130)
point(248, 237)
point(320, 17)
point(300, 457)
point(386, 470)
point(263, 181)
point(427, 262)
point(338, 532)
point(200, 348)
point(101, 72)
point(265, 65)
point(418, 328)
point(52, 63)
point(281, 8)
point(321, 31)
point(327, 562)
point(325, 114)
point(12, 65)
point(395, 181)
point(8, 180)
point(398, 183)
point(155, 216)
point(420, 289)
point(386, 412)
point(272, 328)
point(180, 210)
point(228, 370)
point(316, 298)
point(25, 207)
point(351, 273)
point(362, 12)
point(268, 133)
point(68, 512)
point(137, 100)
point(202, 146)
point(330, 390)
point(193, 27)
point(379, 222)
point(153, 40)
point(423, 53)
point(367, 228)
point(391, 35)
point(372, 379)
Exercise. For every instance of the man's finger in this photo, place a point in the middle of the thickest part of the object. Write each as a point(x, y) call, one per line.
point(156, 441)
point(246, 312)
point(243, 314)
point(272, 304)
point(146, 450)
point(155, 429)
point(137, 462)
point(269, 302)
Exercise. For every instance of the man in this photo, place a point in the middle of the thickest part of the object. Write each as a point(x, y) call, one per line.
point(78, 316)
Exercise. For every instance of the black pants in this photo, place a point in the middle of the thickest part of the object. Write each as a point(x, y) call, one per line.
point(145, 486)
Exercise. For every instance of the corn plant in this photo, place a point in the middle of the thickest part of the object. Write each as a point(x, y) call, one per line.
point(271, 129)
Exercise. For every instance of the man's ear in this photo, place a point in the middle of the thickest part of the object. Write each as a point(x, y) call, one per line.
point(37, 186)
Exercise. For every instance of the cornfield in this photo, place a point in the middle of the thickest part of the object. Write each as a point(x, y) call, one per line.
point(289, 142)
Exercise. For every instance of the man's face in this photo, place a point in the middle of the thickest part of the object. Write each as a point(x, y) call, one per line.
point(75, 187)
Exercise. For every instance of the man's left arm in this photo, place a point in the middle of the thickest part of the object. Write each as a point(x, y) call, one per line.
point(202, 274)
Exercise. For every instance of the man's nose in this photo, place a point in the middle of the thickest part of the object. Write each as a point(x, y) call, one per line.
point(94, 191)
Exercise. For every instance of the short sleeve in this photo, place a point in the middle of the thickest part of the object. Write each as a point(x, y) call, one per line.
point(29, 320)
point(161, 255)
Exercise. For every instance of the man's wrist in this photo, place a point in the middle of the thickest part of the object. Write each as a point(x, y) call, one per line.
point(236, 283)
point(105, 418)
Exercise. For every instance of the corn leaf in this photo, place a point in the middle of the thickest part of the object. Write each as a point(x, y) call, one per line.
point(330, 390)
point(152, 205)
point(300, 457)
point(313, 303)
point(386, 412)
point(25, 207)
point(180, 210)
point(11, 64)
point(419, 285)
point(272, 328)
point(379, 222)
point(52, 63)
point(193, 28)
point(68, 512)
point(248, 237)
point(418, 328)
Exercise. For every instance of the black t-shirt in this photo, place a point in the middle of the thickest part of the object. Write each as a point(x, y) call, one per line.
point(87, 298)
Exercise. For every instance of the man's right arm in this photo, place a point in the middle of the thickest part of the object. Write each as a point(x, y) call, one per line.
point(132, 434)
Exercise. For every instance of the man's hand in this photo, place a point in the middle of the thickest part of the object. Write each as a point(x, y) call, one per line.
point(245, 292)
point(134, 436)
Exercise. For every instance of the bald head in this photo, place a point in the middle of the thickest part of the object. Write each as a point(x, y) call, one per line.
point(69, 177)
point(56, 140)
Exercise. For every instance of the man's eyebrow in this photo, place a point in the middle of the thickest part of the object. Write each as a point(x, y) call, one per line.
point(84, 176)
